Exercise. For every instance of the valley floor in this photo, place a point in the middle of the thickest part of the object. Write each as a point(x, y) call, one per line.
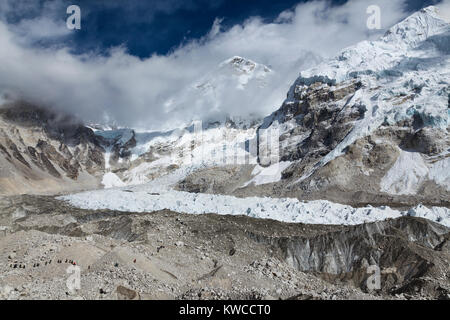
point(168, 255)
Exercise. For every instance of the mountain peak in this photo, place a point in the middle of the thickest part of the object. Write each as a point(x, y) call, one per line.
point(425, 33)
point(418, 27)
point(237, 71)
point(243, 65)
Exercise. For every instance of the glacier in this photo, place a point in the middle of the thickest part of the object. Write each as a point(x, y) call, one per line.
point(151, 197)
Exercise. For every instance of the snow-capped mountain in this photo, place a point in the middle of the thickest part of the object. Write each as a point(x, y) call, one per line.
point(368, 126)
point(219, 95)
point(373, 122)
point(134, 157)
point(243, 72)
point(358, 177)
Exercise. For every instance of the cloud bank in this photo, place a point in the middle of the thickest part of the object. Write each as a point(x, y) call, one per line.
point(444, 9)
point(130, 91)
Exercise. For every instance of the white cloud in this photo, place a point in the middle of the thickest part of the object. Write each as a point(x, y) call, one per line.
point(133, 91)
point(444, 9)
point(30, 24)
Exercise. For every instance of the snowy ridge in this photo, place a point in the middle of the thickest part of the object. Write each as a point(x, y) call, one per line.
point(417, 32)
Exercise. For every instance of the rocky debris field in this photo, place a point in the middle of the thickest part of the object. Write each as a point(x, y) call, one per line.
point(167, 255)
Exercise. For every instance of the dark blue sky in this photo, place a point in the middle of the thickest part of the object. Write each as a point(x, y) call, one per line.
point(153, 92)
point(146, 27)
point(157, 26)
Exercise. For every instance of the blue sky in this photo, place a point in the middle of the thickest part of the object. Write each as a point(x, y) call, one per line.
point(131, 58)
point(165, 29)
point(145, 27)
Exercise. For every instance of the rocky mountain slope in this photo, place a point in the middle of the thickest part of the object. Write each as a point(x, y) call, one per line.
point(48, 152)
point(44, 152)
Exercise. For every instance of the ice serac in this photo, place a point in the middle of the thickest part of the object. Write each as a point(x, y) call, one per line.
point(349, 120)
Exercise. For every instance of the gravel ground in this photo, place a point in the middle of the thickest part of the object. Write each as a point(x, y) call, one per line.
point(160, 255)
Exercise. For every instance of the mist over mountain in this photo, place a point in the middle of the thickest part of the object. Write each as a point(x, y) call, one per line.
point(119, 87)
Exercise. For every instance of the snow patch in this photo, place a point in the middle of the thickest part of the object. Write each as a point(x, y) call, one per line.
point(440, 173)
point(111, 180)
point(269, 174)
point(410, 170)
point(406, 174)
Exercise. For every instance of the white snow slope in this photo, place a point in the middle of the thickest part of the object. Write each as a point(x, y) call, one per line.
point(410, 170)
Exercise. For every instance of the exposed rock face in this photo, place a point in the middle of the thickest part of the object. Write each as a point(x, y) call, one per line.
point(43, 151)
point(216, 180)
point(426, 140)
point(314, 121)
point(404, 249)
